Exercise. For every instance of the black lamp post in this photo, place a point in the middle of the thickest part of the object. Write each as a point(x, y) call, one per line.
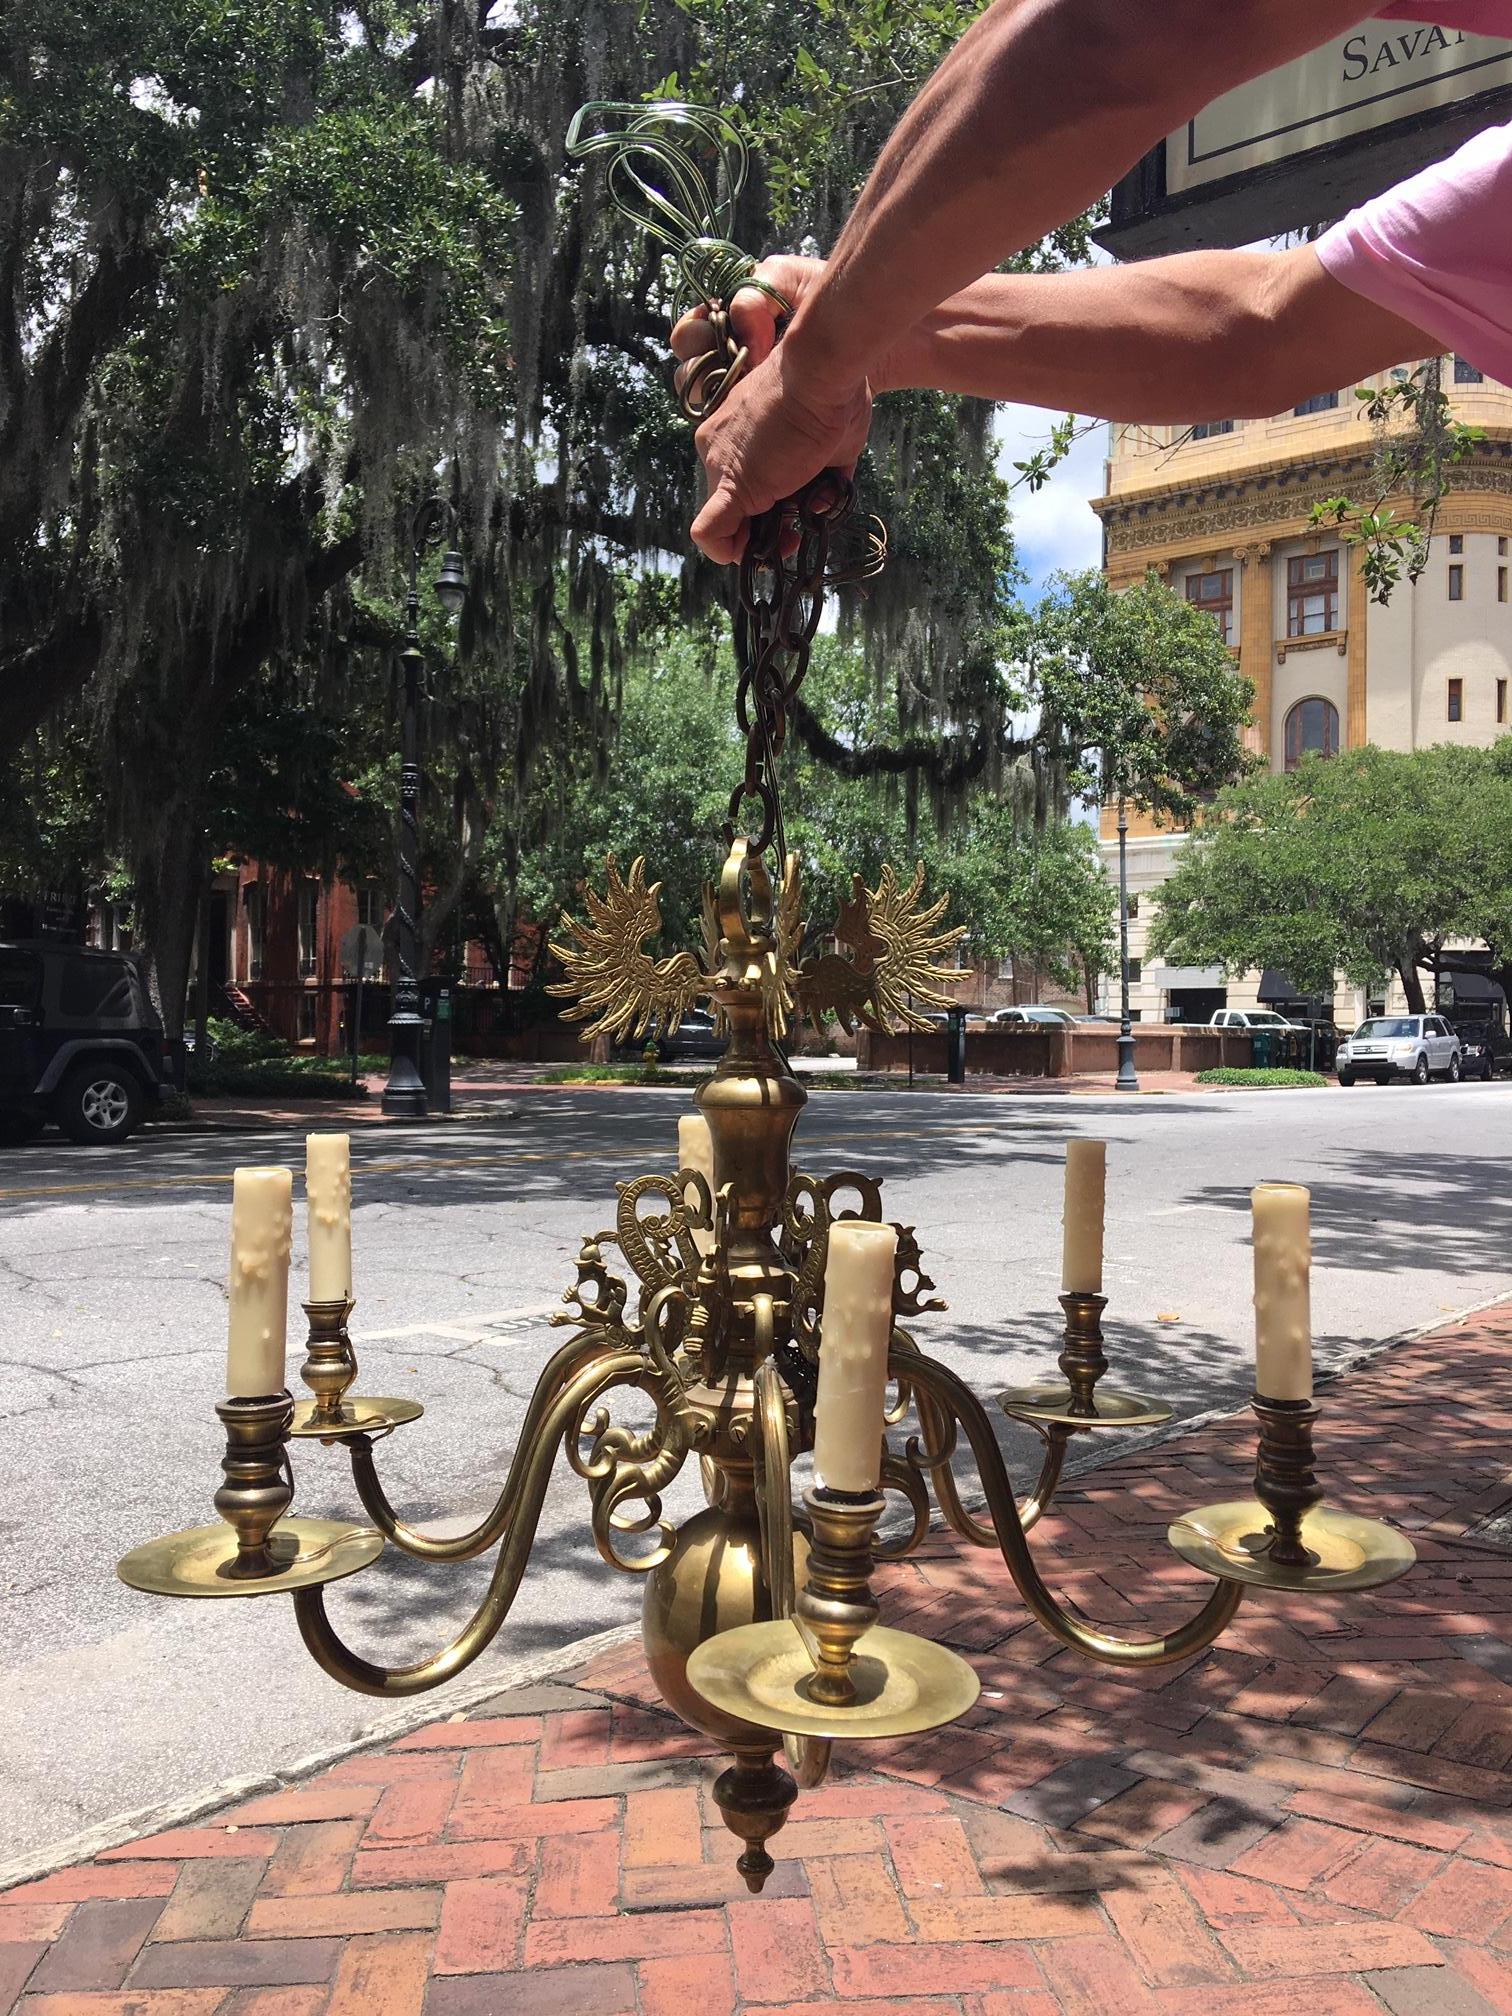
point(1127, 1079)
point(404, 1095)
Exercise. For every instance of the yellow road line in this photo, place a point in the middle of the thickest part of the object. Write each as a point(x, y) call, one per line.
point(361, 1168)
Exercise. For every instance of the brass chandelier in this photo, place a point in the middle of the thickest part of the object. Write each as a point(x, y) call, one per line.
point(718, 1295)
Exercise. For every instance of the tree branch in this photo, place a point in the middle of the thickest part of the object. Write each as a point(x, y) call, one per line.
point(946, 765)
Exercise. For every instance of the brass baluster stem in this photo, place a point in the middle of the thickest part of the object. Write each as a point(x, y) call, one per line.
point(1082, 1359)
point(330, 1365)
point(258, 1488)
point(1284, 1479)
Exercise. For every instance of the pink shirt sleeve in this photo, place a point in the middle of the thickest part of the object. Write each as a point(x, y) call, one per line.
point(1476, 17)
point(1437, 250)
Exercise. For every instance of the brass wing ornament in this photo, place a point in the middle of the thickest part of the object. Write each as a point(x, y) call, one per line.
point(889, 980)
point(610, 974)
point(893, 974)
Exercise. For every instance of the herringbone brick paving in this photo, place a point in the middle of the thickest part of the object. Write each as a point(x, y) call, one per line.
point(1312, 1819)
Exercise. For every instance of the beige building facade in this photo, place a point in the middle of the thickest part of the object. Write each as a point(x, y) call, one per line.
point(1223, 514)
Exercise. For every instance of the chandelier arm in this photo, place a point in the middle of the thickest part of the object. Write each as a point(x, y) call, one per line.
point(1056, 1440)
point(808, 1757)
point(525, 1493)
point(953, 1395)
point(938, 1429)
point(570, 1381)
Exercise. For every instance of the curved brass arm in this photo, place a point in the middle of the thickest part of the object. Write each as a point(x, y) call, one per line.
point(936, 1434)
point(516, 1518)
point(955, 1398)
point(808, 1757)
point(561, 1372)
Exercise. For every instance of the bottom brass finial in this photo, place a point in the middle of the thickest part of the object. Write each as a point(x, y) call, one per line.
point(755, 1796)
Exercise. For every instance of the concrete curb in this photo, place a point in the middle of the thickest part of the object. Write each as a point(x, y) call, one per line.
point(414, 1714)
point(548, 1665)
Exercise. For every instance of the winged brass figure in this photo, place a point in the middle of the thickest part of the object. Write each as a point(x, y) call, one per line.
point(893, 974)
point(886, 978)
point(608, 969)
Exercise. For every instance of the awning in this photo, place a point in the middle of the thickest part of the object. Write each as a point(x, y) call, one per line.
point(1171, 977)
point(1467, 989)
point(1275, 985)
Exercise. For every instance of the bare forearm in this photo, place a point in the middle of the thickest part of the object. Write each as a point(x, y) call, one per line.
point(1040, 107)
point(1202, 336)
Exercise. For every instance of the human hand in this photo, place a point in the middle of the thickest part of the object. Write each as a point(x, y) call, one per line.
point(754, 315)
point(780, 425)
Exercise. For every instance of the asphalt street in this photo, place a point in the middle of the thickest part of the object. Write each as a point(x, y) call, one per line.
point(112, 1322)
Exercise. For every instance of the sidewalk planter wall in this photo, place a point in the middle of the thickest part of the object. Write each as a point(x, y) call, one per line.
point(1043, 1051)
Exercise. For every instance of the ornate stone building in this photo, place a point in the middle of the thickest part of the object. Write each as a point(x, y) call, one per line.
point(1222, 513)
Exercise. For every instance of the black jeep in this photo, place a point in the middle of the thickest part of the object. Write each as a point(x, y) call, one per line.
point(80, 1043)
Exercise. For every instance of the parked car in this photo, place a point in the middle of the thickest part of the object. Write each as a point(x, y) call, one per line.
point(1418, 1047)
point(1060, 1017)
point(697, 1035)
point(80, 1043)
point(1485, 1049)
point(1252, 1018)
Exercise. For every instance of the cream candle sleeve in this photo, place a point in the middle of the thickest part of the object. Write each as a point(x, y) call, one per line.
point(328, 1195)
point(262, 1230)
point(1283, 1293)
point(695, 1150)
point(854, 1336)
point(1082, 1218)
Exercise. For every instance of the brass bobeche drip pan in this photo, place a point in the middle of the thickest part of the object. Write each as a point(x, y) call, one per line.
point(1233, 1541)
point(1078, 1404)
point(830, 1669)
point(1053, 1407)
point(358, 1415)
point(199, 1561)
point(335, 1414)
point(764, 1673)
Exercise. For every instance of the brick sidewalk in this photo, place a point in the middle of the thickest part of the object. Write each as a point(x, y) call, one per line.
point(1312, 1819)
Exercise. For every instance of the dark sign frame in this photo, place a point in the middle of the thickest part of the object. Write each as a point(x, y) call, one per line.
point(1314, 187)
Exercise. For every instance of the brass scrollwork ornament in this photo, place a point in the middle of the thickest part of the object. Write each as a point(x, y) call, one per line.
point(676, 171)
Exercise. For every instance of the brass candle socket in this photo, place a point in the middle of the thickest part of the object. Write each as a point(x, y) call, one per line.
point(1082, 1358)
point(259, 1488)
point(1284, 1480)
point(330, 1364)
point(330, 1370)
point(1285, 1537)
point(830, 1670)
point(835, 1607)
point(1082, 1362)
point(254, 1549)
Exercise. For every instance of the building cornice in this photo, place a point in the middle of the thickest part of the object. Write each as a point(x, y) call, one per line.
point(1280, 495)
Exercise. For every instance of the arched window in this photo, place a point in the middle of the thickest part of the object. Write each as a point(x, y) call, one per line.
point(1312, 727)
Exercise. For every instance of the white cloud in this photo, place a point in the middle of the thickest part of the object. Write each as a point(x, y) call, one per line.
point(1054, 527)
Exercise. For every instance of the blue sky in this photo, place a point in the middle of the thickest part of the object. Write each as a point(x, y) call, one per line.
point(1055, 527)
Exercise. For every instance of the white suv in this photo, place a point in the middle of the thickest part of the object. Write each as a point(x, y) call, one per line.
point(1418, 1047)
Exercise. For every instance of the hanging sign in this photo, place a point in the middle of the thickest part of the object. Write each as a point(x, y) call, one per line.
point(1301, 144)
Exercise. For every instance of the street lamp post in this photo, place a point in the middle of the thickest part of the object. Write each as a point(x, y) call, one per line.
point(1127, 1079)
point(404, 1096)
